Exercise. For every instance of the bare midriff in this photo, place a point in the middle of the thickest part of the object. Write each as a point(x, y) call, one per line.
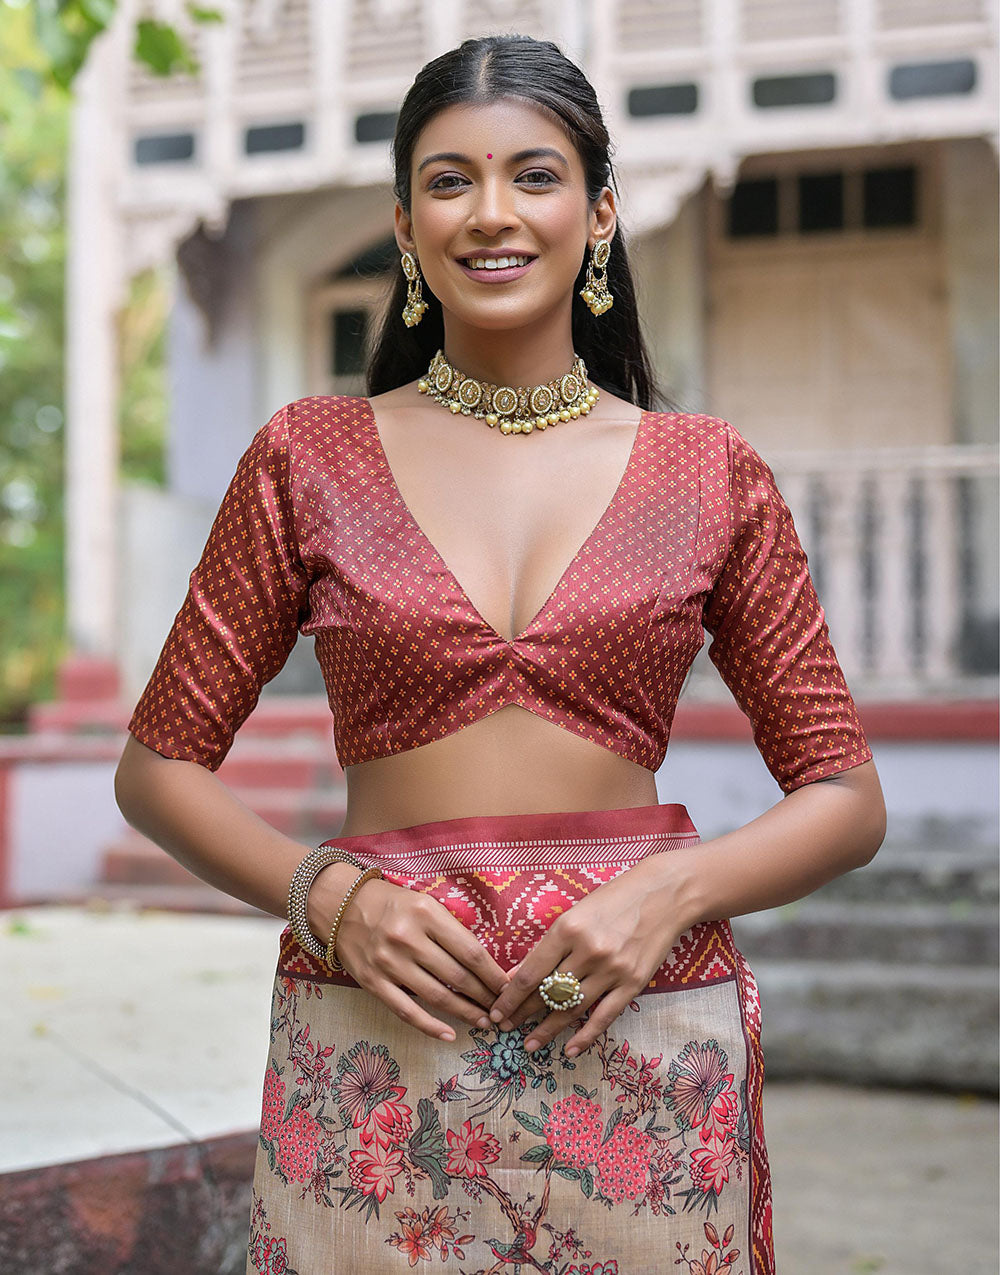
point(511, 762)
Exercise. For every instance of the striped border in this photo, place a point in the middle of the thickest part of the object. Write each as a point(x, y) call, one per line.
point(542, 853)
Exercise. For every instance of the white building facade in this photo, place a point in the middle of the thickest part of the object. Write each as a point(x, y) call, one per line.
point(810, 192)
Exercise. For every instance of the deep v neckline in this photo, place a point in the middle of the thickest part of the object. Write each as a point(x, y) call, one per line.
point(397, 495)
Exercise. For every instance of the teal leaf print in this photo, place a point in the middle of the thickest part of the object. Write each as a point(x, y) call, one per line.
point(743, 1124)
point(294, 1098)
point(538, 1154)
point(587, 1182)
point(612, 1125)
point(427, 1149)
point(530, 1122)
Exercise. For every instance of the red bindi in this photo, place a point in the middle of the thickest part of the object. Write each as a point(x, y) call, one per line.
point(489, 156)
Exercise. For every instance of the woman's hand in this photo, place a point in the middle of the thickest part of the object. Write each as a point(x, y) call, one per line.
point(613, 940)
point(392, 940)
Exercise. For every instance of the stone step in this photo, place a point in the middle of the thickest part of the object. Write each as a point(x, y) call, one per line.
point(309, 816)
point(158, 1211)
point(868, 1023)
point(921, 874)
point(199, 896)
point(306, 816)
point(135, 860)
point(911, 933)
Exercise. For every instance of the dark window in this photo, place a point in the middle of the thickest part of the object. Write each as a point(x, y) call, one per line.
point(164, 148)
point(753, 208)
point(890, 196)
point(274, 137)
point(376, 126)
point(795, 90)
point(663, 99)
point(821, 201)
point(347, 334)
point(932, 79)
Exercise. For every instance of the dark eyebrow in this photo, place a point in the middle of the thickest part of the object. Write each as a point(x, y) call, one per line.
point(454, 157)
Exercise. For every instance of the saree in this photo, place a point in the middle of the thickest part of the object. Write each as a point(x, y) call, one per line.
point(382, 1149)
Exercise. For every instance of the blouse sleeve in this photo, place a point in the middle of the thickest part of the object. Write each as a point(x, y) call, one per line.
point(770, 640)
point(238, 623)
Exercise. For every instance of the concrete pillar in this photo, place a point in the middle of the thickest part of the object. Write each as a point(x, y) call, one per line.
point(94, 293)
point(669, 269)
point(970, 231)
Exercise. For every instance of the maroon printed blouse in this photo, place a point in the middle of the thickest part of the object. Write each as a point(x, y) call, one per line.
point(313, 537)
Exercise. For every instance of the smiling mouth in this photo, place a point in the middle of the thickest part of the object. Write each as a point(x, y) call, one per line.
point(494, 263)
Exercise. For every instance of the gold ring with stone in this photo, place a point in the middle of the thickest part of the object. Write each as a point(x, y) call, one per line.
point(561, 990)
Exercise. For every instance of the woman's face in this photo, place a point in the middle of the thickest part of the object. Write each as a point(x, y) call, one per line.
point(492, 180)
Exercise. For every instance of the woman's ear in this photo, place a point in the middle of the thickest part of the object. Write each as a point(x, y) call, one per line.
point(404, 231)
point(603, 216)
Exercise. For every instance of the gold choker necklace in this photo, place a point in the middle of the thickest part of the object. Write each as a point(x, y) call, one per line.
point(516, 409)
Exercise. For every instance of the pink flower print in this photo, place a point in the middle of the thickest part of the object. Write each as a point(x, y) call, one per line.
point(694, 1081)
point(415, 1241)
point(298, 1144)
point(710, 1165)
point(258, 1252)
point(276, 1258)
point(471, 1150)
point(388, 1122)
point(623, 1164)
point(723, 1117)
point(365, 1075)
point(273, 1110)
point(573, 1130)
point(374, 1172)
point(422, 1233)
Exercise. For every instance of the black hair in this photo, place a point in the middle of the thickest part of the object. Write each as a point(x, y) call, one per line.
point(537, 71)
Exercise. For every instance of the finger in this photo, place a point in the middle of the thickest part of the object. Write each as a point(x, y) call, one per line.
point(407, 1009)
point(471, 954)
point(463, 945)
point(439, 998)
point(449, 970)
point(520, 997)
point(602, 1015)
point(558, 1020)
point(468, 967)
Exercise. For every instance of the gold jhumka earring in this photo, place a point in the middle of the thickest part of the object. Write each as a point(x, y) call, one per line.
point(595, 290)
point(415, 306)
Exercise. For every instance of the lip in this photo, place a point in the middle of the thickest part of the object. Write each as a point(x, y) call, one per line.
point(498, 276)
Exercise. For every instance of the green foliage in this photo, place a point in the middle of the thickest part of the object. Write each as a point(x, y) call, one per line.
point(33, 134)
point(65, 30)
point(43, 44)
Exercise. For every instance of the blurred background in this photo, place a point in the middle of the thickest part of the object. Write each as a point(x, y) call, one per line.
point(196, 227)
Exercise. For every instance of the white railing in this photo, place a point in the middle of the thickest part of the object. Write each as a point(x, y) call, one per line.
point(902, 546)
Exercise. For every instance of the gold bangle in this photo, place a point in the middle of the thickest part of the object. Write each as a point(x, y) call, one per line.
point(298, 890)
point(368, 875)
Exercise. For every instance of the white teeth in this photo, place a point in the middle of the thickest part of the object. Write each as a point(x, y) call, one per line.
point(495, 263)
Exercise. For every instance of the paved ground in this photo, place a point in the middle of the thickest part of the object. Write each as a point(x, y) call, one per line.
point(125, 1030)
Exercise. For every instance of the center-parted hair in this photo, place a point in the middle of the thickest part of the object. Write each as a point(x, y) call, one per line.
point(538, 72)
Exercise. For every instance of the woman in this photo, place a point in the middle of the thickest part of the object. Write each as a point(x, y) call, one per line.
point(530, 1043)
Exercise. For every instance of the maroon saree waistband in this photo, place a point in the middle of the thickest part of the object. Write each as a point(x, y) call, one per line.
point(624, 834)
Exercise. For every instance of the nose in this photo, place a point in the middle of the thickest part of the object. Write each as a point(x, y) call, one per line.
point(493, 211)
